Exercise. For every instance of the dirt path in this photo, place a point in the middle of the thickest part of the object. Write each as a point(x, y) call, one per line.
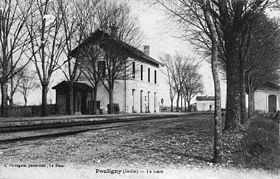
point(170, 143)
point(180, 148)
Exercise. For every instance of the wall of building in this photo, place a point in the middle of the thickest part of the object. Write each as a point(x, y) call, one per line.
point(61, 103)
point(118, 95)
point(142, 95)
point(127, 93)
point(205, 105)
point(261, 99)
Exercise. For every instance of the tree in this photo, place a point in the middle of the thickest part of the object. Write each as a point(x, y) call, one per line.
point(263, 57)
point(14, 85)
point(116, 19)
point(167, 61)
point(183, 78)
point(78, 22)
point(91, 69)
point(232, 21)
point(13, 43)
point(119, 15)
point(214, 66)
point(47, 43)
point(179, 67)
point(197, 15)
point(174, 71)
point(26, 82)
point(192, 83)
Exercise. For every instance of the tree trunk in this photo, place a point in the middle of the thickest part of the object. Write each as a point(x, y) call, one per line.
point(243, 115)
point(251, 102)
point(111, 97)
point(218, 111)
point(12, 88)
point(233, 89)
point(4, 93)
point(44, 106)
point(189, 106)
point(214, 65)
point(172, 105)
point(70, 109)
point(231, 36)
point(186, 105)
point(94, 100)
point(181, 103)
point(11, 100)
point(178, 98)
point(25, 100)
point(233, 105)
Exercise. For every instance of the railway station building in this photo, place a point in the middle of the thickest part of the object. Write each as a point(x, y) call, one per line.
point(138, 93)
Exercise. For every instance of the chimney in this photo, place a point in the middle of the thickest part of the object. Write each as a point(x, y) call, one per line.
point(147, 50)
point(114, 32)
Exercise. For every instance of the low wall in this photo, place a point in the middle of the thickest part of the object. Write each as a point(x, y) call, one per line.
point(29, 111)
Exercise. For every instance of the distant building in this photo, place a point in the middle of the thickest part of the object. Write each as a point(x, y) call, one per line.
point(267, 98)
point(137, 94)
point(205, 103)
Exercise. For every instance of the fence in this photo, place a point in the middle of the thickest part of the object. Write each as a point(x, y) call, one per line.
point(29, 111)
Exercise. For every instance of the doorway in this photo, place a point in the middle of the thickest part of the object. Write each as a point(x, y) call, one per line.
point(141, 101)
point(155, 102)
point(148, 107)
point(133, 103)
point(84, 103)
point(272, 99)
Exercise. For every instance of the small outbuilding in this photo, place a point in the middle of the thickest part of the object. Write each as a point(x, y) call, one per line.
point(82, 98)
point(205, 103)
point(267, 98)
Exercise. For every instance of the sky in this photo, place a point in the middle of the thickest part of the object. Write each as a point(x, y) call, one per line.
point(161, 34)
point(163, 37)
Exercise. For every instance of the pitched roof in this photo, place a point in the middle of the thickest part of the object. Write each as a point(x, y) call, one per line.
point(270, 86)
point(76, 85)
point(205, 98)
point(101, 36)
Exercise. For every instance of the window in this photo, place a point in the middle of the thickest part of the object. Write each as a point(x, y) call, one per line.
point(141, 72)
point(101, 68)
point(149, 74)
point(133, 69)
point(155, 77)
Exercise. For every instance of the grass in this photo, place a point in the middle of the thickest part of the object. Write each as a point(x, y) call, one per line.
point(260, 145)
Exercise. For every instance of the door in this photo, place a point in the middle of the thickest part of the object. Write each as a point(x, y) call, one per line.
point(133, 93)
point(141, 101)
point(148, 108)
point(272, 103)
point(84, 103)
point(155, 102)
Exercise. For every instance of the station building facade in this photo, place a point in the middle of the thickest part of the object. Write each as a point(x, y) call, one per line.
point(136, 94)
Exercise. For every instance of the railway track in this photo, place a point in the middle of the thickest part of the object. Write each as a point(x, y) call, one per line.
point(51, 124)
point(32, 132)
